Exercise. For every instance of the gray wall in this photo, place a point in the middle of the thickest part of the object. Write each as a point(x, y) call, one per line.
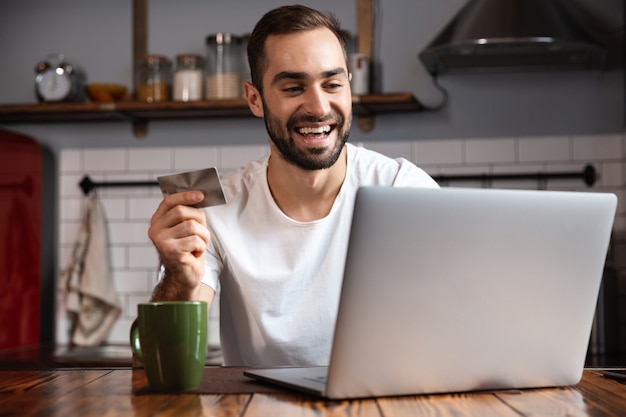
point(97, 36)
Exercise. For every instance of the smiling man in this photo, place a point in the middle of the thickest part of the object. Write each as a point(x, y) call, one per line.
point(276, 250)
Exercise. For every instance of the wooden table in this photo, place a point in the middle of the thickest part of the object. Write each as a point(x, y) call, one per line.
point(112, 392)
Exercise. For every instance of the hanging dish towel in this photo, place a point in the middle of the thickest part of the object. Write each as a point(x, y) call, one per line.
point(89, 293)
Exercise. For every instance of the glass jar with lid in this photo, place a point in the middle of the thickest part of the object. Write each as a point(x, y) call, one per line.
point(223, 73)
point(187, 84)
point(154, 79)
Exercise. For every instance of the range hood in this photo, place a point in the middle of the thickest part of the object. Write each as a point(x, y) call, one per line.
point(512, 35)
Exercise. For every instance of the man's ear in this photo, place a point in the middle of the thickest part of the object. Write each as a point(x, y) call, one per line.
point(255, 101)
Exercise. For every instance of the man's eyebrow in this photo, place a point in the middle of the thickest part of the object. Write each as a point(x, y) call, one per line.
point(333, 72)
point(295, 75)
point(288, 75)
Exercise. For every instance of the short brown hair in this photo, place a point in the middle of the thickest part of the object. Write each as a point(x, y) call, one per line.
point(281, 21)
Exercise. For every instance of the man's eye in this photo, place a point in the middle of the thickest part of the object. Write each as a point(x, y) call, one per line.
point(333, 86)
point(294, 89)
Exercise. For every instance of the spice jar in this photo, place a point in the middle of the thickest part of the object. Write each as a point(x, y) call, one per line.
point(223, 79)
point(153, 79)
point(187, 84)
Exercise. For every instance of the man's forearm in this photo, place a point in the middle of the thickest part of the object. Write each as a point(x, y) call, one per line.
point(170, 289)
point(167, 289)
point(164, 292)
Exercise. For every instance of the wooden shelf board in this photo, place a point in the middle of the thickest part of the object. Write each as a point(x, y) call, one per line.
point(59, 112)
point(186, 110)
point(370, 105)
point(367, 105)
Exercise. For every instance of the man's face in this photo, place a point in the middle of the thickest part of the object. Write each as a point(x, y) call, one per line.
point(307, 102)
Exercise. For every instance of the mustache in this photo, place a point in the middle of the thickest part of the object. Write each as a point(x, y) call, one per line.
point(332, 117)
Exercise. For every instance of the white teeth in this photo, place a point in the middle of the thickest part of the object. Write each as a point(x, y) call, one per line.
point(314, 130)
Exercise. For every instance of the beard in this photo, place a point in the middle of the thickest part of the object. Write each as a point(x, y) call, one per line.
point(309, 159)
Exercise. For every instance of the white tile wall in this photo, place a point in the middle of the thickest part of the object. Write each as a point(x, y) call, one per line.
point(448, 152)
point(541, 149)
point(492, 150)
point(129, 209)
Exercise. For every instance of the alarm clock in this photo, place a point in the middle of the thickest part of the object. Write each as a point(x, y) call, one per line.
point(57, 80)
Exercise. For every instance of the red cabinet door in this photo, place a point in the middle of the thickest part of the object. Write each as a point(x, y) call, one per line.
point(20, 240)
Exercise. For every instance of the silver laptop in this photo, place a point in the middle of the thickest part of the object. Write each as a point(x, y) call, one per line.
point(456, 290)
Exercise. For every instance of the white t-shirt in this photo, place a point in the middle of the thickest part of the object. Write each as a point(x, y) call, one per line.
point(280, 279)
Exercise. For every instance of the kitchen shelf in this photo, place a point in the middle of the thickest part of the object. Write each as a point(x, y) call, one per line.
point(365, 107)
point(132, 111)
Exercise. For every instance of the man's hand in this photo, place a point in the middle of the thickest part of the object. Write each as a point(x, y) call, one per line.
point(180, 236)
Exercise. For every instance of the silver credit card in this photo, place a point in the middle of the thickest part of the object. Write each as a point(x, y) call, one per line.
point(205, 180)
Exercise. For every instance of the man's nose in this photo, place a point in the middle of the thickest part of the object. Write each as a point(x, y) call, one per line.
point(316, 102)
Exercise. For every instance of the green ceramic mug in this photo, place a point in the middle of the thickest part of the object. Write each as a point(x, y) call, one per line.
point(169, 339)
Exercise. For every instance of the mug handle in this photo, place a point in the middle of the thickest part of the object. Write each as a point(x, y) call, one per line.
point(135, 344)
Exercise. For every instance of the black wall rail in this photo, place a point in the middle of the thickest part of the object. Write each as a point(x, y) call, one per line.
point(588, 175)
point(87, 185)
